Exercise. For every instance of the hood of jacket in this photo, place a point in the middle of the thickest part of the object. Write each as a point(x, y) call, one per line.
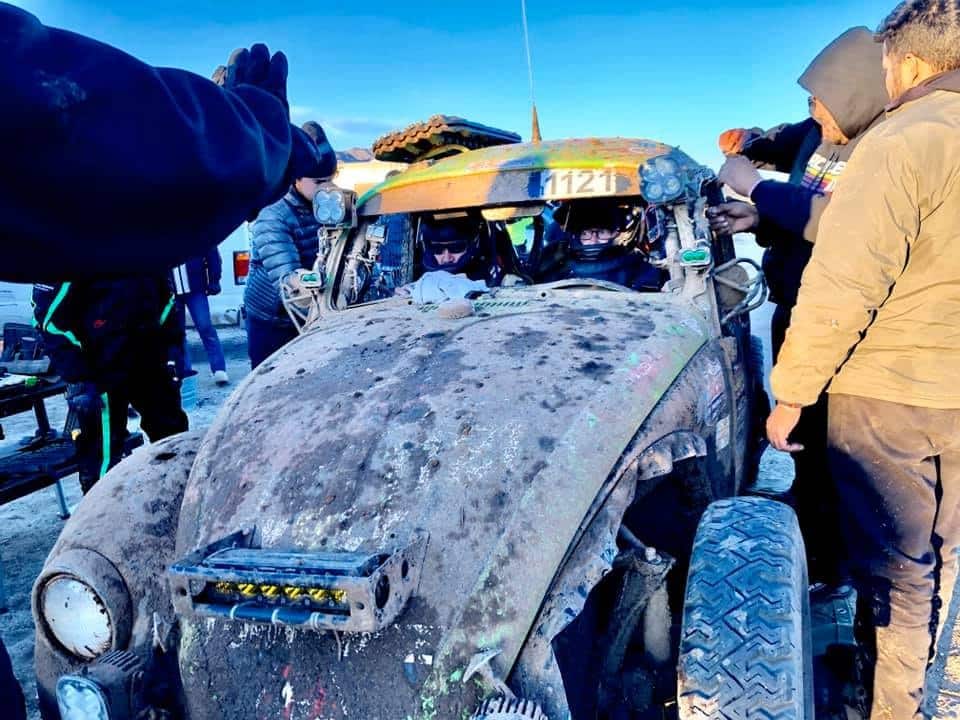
point(948, 81)
point(847, 77)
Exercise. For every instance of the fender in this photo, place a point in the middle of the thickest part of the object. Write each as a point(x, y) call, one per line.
point(121, 540)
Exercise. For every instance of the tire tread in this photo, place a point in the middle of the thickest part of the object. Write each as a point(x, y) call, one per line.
point(744, 651)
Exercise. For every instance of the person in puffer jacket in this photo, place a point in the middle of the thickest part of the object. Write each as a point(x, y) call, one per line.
point(847, 98)
point(283, 239)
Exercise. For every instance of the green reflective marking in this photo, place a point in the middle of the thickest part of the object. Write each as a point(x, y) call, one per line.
point(166, 311)
point(48, 325)
point(105, 435)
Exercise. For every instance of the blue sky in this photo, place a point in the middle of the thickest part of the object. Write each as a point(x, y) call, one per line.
point(680, 73)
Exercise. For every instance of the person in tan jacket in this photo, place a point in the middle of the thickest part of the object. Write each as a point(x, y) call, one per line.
point(878, 323)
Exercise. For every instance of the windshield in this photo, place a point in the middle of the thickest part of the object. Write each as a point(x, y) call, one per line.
point(434, 256)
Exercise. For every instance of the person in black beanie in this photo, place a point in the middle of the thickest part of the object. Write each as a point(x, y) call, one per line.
point(847, 98)
point(283, 239)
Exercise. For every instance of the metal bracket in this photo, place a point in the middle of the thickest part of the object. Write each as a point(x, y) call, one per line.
point(344, 591)
point(755, 291)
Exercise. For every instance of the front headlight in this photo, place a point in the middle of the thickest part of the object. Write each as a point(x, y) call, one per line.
point(80, 699)
point(81, 605)
point(329, 207)
point(661, 180)
point(112, 688)
point(76, 617)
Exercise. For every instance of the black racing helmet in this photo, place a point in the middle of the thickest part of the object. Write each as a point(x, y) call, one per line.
point(455, 235)
point(576, 217)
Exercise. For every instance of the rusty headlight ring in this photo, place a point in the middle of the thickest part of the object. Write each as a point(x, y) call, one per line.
point(96, 613)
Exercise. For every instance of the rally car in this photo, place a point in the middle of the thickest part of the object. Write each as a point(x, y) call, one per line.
point(480, 506)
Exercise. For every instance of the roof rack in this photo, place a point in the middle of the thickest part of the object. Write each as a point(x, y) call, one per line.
point(439, 136)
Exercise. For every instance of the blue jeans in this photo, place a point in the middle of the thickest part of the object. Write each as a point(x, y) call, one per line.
point(264, 338)
point(199, 308)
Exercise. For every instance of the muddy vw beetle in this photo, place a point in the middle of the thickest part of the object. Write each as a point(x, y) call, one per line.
point(478, 507)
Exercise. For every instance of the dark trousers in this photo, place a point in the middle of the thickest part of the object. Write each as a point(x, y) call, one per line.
point(11, 696)
point(265, 337)
point(199, 307)
point(100, 442)
point(898, 477)
point(814, 491)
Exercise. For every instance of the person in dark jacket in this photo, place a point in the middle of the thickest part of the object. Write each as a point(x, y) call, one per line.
point(847, 98)
point(283, 239)
point(115, 342)
point(11, 696)
point(193, 282)
point(132, 143)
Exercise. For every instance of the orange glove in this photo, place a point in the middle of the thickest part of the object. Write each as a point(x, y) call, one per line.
point(731, 142)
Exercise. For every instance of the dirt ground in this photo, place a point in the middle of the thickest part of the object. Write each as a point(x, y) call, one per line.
point(29, 527)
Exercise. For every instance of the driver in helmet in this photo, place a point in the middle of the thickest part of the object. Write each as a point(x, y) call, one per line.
point(457, 246)
point(601, 245)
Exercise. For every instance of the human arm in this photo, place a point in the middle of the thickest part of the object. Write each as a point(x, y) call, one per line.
point(863, 245)
point(733, 217)
point(165, 155)
point(774, 149)
point(54, 313)
point(793, 208)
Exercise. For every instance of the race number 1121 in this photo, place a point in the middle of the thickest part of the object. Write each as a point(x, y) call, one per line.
point(561, 183)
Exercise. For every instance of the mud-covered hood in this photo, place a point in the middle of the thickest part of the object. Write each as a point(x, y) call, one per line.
point(492, 434)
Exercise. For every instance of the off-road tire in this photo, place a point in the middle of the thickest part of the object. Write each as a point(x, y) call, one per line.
point(745, 649)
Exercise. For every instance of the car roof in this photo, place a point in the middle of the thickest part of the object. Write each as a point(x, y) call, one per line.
point(517, 174)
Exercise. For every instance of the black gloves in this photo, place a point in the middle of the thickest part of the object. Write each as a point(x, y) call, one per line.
point(256, 67)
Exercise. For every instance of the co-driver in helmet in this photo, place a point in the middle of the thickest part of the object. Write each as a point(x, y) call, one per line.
point(602, 245)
